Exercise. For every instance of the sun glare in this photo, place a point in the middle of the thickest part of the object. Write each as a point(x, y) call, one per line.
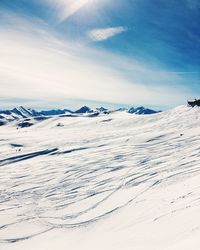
point(71, 7)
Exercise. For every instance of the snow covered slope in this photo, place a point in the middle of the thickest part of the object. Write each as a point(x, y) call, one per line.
point(112, 182)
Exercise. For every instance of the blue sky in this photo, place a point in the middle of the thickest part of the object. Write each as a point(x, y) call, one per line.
point(99, 52)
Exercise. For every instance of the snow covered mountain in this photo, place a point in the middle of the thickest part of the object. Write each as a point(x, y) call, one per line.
point(142, 111)
point(21, 112)
point(117, 181)
point(84, 110)
point(24, 113)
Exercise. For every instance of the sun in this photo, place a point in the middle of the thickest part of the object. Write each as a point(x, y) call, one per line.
point(72, 6)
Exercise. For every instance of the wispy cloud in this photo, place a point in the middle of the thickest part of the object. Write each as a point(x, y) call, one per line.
point(106, 33)
point(37, 65)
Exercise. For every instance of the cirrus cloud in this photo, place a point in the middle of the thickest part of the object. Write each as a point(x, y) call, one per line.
point(38, 66)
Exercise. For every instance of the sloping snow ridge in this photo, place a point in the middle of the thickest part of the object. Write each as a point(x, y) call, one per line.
point(115, 182)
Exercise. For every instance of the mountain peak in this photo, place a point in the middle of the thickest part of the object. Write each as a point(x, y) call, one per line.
point(83, 110)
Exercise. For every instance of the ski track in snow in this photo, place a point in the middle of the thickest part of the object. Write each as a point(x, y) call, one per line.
point(92, 168)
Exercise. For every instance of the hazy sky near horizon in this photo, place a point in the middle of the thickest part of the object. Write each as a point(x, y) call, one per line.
point(102, 52)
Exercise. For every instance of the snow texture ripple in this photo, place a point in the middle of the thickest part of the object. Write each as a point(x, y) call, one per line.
point(119, 170)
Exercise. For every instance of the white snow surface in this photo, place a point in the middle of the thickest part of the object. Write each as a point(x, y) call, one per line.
point(113, 182)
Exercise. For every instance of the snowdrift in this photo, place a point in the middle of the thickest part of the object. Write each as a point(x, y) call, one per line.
point(116, 181)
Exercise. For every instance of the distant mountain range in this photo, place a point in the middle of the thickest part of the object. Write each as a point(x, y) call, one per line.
point(26, 114)
point(142, 111)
